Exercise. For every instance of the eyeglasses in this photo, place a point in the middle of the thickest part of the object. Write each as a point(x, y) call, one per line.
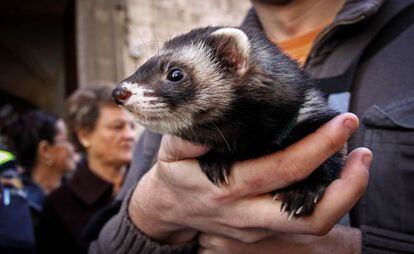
point(62, 142)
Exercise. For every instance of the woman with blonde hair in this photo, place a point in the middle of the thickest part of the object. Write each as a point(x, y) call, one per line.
point(105, 134)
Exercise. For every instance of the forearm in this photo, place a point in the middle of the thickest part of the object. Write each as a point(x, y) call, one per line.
point(121, 235)
point(151, 214)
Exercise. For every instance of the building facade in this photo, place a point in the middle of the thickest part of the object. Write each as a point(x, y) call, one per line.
point(48, 48)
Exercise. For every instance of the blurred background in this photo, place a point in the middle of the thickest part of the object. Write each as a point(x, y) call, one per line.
point(48, 48)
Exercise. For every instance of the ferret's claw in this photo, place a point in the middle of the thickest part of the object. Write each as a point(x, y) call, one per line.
point(283, 207)
point(291, 215)
point(276, 197)
point(316, 199)
point(299, 211)
point(226, 178)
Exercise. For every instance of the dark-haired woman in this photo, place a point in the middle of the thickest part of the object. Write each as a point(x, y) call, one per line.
point(40, 143)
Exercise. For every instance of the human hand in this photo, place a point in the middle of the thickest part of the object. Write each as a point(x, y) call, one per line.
point(175, 200)
point(340, 240)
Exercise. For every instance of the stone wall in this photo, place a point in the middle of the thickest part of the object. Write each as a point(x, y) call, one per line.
point(32, 58)
point(42, 62)
point(151, 22)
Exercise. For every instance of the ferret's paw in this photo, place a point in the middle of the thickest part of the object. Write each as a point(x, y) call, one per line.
point(216, 168)
point(299, 201)
point(215, 174)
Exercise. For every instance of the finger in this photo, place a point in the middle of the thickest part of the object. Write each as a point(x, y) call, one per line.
point(208, 241)
point(343, 193)
point(207, 251)
point(218, 244)
point(340, 196)
point(236, 230)
point(296, 162)
point(173, 148)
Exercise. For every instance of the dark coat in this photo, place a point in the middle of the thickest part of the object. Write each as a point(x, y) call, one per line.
point(382, 96)
point(67, 210)
point(16, 226)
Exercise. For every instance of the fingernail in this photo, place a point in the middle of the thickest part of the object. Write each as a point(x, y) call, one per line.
point(350, 125)
point(366, 160)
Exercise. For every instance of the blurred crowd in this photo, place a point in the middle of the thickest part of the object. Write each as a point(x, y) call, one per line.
point(56, 172)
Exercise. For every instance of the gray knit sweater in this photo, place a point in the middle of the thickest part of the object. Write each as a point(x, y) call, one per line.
point(120, 235)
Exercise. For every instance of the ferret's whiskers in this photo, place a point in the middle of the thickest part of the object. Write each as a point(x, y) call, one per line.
point(225, 140)
point(180, 117)
point(145, 140)
point(141, 40)
point(215, 126)
point(157, 42)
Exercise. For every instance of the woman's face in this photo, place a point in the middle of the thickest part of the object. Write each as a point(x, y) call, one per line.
point(112, 139)
point(62, 151)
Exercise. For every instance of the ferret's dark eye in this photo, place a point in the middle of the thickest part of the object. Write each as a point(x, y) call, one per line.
point(175, 75)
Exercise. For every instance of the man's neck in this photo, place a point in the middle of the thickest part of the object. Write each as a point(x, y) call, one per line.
point(283, 22)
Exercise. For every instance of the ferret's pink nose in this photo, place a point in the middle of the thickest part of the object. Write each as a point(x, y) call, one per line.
point(120, 95)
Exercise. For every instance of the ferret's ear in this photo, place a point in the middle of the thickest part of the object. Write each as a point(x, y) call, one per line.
point(233, 46)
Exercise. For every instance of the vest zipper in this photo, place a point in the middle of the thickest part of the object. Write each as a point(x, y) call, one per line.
point(322, 37)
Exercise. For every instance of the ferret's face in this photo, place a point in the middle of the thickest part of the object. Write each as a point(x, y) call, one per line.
point(179, 88)
point(176, 90)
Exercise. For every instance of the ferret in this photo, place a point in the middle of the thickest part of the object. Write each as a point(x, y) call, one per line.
point(235, 91)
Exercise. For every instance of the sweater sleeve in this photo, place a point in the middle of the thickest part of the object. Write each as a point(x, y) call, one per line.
point(120, 236)
point(381, 241)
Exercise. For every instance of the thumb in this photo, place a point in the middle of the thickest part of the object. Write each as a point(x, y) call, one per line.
point(174, 148)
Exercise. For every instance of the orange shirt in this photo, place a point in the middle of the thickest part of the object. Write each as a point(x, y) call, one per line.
point(298, 48)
